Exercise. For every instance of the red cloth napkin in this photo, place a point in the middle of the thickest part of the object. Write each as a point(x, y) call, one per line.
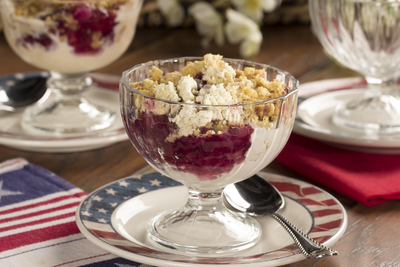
point(370, 179)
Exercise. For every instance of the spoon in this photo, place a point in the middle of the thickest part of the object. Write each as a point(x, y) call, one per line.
point(22, 94)
point(257, 197)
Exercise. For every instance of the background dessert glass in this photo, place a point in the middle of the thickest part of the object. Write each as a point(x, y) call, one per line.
point(68, 38)
point(205, 163)
point(364, 35)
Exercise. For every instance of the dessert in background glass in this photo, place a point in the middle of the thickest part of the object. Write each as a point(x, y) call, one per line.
point(364, 35)
point(207, 122)
point(68, 38)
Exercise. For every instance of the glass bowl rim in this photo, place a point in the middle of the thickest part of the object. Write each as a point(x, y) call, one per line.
point(177, 59)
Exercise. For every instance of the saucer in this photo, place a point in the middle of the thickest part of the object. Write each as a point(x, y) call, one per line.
point(313, 119)
point(114, 217)
point(12, 134)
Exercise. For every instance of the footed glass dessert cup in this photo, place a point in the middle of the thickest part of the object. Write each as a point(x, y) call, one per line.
point(364, 35)
point(205, 147)
point(68, 38)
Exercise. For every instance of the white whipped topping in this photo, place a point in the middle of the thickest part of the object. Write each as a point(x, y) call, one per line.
point(215, 94)
point(189, 120)
point(166, 91)
point(185, 88)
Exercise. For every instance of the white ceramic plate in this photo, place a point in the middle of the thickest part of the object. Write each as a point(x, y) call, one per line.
point(114, 218)
point(317, 101)
point(12, 135)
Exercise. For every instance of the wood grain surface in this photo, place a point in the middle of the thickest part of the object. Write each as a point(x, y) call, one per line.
point(372, 237)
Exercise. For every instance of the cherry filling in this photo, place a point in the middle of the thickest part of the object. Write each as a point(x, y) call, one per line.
point(206, 156)
point(85, 29)
point(43, 39)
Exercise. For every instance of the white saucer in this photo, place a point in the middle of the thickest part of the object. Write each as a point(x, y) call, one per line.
point(12, 134)
point(114, 218)
point(317, 102)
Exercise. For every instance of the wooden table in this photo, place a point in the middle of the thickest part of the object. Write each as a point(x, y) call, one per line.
point(372, 237)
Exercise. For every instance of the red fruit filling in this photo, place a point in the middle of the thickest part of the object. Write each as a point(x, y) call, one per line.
point(206, 156)
point(43, 39)
point(84, 28)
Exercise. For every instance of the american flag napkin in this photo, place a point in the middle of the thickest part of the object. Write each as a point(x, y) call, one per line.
point(37, 221)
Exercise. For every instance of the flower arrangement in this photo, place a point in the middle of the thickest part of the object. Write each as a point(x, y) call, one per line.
point(237, 21)
point(238, 27)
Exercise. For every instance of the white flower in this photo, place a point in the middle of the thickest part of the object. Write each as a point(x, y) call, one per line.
point(254, 8)
point(173, 11)
point(208, 23)
point(240, 28)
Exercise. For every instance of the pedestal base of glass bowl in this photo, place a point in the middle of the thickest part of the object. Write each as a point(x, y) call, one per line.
point(64, 110)
point(379, 114)
point(204, 226)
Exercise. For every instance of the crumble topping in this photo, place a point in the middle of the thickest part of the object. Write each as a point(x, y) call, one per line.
point(214, 82)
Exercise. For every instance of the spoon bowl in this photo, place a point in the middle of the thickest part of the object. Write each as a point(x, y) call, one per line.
point(22, 93)
point(254, 196)
point(257, 197)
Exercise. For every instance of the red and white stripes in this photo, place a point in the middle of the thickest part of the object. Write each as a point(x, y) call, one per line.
point(40, 219)
point(42, 231)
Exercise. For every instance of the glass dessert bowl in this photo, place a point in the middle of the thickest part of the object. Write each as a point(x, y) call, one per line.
point(363, 35)
point(207, 123)
point(68, 38)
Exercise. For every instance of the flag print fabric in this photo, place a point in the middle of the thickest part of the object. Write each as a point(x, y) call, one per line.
point(37, 221)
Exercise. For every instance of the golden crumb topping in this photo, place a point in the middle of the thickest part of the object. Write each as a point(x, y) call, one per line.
point(214, 81)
